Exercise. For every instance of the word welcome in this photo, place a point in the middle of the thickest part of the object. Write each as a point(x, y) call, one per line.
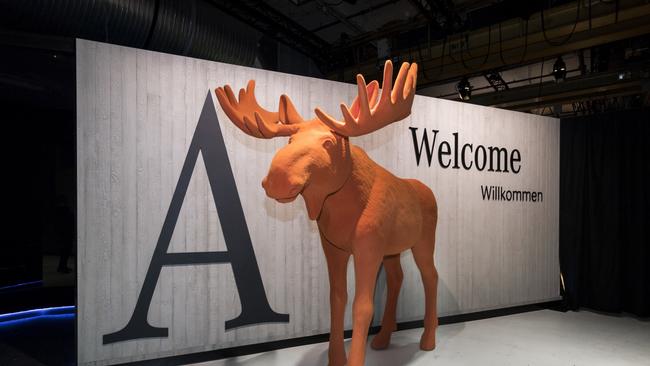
point(467, 155)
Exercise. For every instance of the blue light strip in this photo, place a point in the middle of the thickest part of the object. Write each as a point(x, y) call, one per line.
point(21, 285)
point(34, 313)
point(11, 324)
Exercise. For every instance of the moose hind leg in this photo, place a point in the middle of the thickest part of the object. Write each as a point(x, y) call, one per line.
point(423, 255)
point(394, 276)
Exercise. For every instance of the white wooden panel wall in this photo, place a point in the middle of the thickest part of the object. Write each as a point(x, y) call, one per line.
point(136, 114)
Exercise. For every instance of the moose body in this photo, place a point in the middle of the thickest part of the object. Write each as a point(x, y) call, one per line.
point(370, 205)
point(362, 210)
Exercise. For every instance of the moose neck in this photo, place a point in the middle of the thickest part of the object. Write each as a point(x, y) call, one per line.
point(342, 208)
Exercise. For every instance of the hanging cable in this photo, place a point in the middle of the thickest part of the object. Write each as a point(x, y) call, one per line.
point(357, 58)
point(589, 14)
point(575, 24)
point(487, 54)
point(424, 71)
point(523, 55)
point(450, 56)
point(442, 56)
point(442, 60)
point(539, 90)
point(429, 38)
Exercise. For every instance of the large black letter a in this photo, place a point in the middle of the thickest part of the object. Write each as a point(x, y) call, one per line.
point(255, 306)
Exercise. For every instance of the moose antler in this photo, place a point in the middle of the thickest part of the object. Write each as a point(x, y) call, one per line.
point(254, 120)
point(365, 116)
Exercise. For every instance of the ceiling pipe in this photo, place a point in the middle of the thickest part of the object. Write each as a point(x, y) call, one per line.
point(191, 28)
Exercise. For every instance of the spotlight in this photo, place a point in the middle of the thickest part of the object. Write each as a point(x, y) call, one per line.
point(559, 69)
point(464, 88)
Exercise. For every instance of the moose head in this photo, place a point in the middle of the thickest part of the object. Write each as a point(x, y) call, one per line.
point(317, 159)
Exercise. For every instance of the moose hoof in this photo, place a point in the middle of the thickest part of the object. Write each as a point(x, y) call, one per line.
point(381, 341)
point(428, 340)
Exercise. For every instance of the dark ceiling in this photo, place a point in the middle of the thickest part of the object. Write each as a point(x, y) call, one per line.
point(341, 33)
point(330, 20)
point(450, 39)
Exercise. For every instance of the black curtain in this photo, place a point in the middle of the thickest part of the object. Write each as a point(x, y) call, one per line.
point(604, 203)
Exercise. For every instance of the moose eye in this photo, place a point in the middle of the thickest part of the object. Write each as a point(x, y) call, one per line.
point(328, 144)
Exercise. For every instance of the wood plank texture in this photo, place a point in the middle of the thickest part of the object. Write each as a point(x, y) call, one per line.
point(136, 115)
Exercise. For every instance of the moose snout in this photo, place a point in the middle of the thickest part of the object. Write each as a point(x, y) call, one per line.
point(280, 188)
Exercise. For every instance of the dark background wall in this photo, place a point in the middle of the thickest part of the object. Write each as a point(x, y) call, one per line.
point(604, 203)
point(38, 161)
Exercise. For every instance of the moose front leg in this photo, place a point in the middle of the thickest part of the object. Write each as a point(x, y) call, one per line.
point(337, 264)
point(366, 264)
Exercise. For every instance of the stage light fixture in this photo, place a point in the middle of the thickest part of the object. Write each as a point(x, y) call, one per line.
point(464, 89)
point(559, 69)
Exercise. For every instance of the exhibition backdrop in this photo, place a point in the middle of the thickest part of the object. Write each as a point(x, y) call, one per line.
point(180, 250)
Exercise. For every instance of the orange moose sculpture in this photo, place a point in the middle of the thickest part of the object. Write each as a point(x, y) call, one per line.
point(361, 209)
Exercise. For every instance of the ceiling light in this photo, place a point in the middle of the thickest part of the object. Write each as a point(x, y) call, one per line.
point(559, 69)
point(464, 89)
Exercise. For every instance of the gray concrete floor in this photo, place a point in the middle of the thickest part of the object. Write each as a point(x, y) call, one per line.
point(542, 337)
